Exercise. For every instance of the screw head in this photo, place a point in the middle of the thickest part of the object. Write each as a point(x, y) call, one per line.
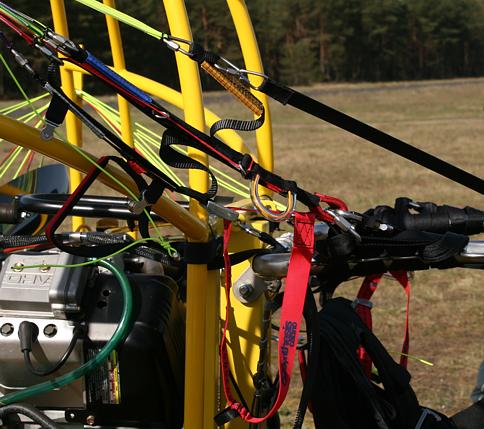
point(6, 329)
point(50, 330)
point(90, 420)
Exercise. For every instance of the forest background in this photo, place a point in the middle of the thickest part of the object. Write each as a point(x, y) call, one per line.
point(301, 41)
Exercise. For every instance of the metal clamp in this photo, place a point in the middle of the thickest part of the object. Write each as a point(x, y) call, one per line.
point(264, 211)
point(221, 211)
point(61, 43)
point(137, 207)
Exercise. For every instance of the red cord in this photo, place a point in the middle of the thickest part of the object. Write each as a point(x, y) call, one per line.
point(5, 19)
point(27, 247)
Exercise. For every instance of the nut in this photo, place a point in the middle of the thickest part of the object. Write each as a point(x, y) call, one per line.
point(246, 290)
point(50, 330)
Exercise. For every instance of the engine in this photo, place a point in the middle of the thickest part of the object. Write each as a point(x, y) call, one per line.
point(140, 385)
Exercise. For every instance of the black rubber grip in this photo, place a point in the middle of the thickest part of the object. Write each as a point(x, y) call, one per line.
point(9, 212)
point(430, 217)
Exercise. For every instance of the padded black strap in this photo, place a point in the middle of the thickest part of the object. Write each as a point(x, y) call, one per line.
point(309, 105)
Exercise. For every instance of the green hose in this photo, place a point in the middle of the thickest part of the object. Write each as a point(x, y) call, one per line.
point(119, 335)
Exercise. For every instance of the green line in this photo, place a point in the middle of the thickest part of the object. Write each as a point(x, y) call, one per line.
point(10, 160)
point(162, 241)
point(90, 262)
point(143, 140)
point(32, 24)
point(123, 17)
point(13, 108)
point(24, 161)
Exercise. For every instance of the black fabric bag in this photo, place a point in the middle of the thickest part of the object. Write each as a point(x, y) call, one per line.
point(345, 398)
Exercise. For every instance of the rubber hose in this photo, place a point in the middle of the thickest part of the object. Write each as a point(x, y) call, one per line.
point(119, 335)
point(30, 412)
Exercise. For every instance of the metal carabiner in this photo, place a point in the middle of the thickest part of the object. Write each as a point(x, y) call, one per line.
point(242, 74)
point(173, 43)
point(264, 211)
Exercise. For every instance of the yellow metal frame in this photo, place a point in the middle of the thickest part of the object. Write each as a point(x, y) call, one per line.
point(202, 390)
point(73, 125)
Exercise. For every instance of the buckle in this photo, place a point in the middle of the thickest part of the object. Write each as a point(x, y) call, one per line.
point(361, 301)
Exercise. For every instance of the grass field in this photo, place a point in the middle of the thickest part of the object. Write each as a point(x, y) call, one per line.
point(445, 118)
point(442, 117)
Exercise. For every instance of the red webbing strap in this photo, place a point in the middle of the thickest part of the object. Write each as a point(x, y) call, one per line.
point(291, 313)
point(363, 309)
point(402, 277)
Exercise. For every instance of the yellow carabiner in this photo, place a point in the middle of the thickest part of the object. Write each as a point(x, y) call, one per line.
point(264, 211)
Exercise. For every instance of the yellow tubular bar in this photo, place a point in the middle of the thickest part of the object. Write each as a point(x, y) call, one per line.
point(252, 59)
point(175, 98)
point(73, 125)
point(119, 64)
point(26, 136)
point(248, 319)
point(202, 333)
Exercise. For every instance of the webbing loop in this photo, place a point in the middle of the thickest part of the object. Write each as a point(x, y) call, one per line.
point(291, 314)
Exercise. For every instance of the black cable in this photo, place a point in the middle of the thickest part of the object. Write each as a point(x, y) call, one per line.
point(30, 412)
point(78, 331)
point(237, 389)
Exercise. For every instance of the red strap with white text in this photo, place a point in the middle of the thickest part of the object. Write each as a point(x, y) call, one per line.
point(291, 315)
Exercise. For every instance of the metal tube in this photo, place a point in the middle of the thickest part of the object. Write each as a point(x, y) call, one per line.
point(201, 344)
point(252, 60)
point(119, 64)
point(73, 125)
point(26, 136)
point(175, 98)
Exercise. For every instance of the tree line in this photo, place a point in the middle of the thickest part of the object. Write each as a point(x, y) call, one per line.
point(301, 41)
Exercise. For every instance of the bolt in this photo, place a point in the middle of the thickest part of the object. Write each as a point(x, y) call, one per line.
point(18, 266)
point(246, 290)
point(90, 420)
point(50, 330)
point(6, 329)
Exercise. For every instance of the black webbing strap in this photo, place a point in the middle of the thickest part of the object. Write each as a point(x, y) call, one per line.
point(312, 328)
point(210, 254)
point(243, 163)
point(315, 108)
point(201, 56)
point(175, 159)
point(237, 124)
point(202, 253)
